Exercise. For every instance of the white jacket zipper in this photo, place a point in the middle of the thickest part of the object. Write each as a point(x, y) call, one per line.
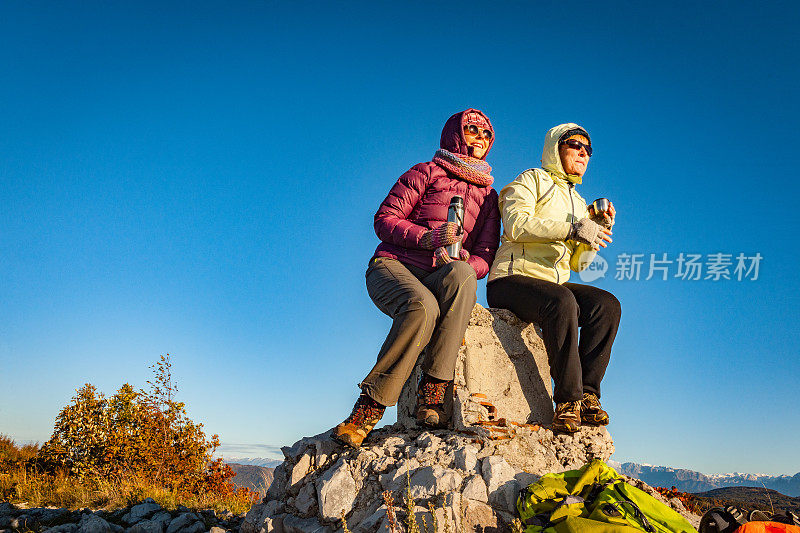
point(572, 217)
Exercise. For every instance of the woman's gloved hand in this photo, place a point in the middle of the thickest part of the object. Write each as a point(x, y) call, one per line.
point(442, 257)
point(447, 233)
point(589, 232)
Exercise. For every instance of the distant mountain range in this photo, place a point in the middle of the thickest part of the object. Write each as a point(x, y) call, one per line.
point(691, 481)
point(254, 477)
point(257, 461)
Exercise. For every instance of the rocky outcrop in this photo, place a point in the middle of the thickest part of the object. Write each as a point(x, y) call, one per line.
point(501, 373)
point(145, 517)
point(469, 478)
point(468, 475)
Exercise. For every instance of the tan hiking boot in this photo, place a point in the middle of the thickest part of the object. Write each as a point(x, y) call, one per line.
point(592, 413)
point(366, 413)
point(568, 417)
point(430, 402)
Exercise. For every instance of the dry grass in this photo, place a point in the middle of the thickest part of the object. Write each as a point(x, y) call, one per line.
point(21, 484)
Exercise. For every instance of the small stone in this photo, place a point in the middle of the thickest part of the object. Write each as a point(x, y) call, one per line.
point(526, 478)
point(336, 491)
point(216, 529)
point(142, 511)
point(299, 472)
point(432, 480)
point(307, 499)
point(91, 523)
point(194, 527)
point(496, 473)
point(25, 522)
point(475, 489)
point(291, 453)
point(280, 480)
point(50, 517)
point(325, 450)
point(256, 517)
point(183, 521)
point(466, 458)
point(371, 522)
point(64, 528)
point(294, 524)
point(147, 526)
point(6, 508)
point(396, 479)
point(383, 464)
point(164, 517)
point(428, 440)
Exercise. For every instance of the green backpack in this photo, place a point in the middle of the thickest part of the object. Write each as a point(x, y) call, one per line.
point(594, 499)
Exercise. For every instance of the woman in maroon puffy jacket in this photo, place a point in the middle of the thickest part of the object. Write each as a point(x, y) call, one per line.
point(411, 278)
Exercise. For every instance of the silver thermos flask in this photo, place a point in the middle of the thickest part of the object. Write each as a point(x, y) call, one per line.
point(455, 213)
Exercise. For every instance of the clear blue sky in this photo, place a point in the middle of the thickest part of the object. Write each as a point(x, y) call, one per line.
point(200, 179)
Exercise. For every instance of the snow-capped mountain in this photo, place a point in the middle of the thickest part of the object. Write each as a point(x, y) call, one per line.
point(692, 481)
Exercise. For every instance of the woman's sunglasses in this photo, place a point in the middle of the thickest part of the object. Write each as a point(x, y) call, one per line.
point(474, 130)
point(577, 145)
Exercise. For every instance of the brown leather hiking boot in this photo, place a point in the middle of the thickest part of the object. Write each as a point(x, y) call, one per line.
point(592, 413)
point(568, 417)
point(430, 402)
point(366, 413)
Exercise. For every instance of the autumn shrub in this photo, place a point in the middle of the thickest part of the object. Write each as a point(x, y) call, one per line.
point(142, 440)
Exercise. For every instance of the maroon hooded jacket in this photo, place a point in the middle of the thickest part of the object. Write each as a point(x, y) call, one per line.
point(419, 200)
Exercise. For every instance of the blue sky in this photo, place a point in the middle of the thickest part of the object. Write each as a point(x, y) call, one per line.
point(200, 179)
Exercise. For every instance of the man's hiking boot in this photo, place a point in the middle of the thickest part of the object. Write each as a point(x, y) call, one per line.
point(366, 413)
point(430, 402)
point(567, 418)
point(591, 412)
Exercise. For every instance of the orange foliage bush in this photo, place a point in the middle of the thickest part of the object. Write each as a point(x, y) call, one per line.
point(137, 435)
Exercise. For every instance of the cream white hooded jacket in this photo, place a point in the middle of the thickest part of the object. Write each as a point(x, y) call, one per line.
point(538, 209)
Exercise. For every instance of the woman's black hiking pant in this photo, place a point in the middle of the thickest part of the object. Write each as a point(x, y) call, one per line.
point(578, 359)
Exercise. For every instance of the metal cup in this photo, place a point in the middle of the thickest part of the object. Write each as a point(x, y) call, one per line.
point(599, 206)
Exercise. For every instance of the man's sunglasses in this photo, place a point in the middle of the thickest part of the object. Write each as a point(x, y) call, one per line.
point(577, 145)
point(474, 130)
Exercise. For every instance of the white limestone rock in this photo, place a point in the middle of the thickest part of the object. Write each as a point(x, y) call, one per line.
point(307, 499)
point(502, 358)
point(429, 481)
point(466, 458)
point(475, 489)
point(497, 473)
point(336, 491)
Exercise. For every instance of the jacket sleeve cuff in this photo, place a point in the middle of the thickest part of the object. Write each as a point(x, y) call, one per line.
point(570, 229)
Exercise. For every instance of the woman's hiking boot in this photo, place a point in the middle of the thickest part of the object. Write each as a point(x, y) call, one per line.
point(592, 413)
point(430, 402)
point(568, 417)
point(366, 413)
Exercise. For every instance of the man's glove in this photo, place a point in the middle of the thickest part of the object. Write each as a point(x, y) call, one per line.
point(442, 258)
point(446, 234)
point(588, 232)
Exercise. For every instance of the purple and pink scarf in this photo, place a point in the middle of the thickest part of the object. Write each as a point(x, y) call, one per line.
point(471, 169)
